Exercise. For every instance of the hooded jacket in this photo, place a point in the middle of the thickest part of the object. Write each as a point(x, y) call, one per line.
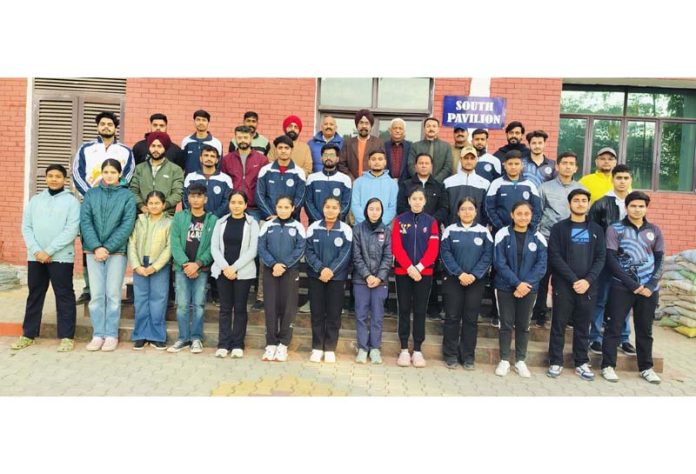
point(107, 218)
point(369, 186)
point(50, 224)
point(372, 252)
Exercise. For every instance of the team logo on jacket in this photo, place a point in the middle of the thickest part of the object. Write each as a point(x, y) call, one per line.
point(380, 237)
point(338, 241)
point(290, 182)
point(336, 192)
point(425, 229)
point(217, 189)
point(478, 241)
point(532, 247)
point(292, 232)
point(525, 194)
point(487, 167)
point(547, 170)
point(650, 236)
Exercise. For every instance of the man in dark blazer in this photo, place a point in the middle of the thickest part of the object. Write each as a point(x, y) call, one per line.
point(356, 150)
point(397, 148)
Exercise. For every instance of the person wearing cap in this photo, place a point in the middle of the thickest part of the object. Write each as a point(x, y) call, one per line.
point(158, 123)
point(157, 173)
point(301, 154)
point(537, 167)
point(433, 146)
point(466, 183)
point(192, 145)
point(487, 166)
point(356, 150)
point(86, 167)
point(576, 257)
point(258, 141)
point(600, 182)
point(397, 148)
point(327, 135)
point(461, 140)
point(513, 133)
point(635, 256)
point(50, 223)
point(554, 204)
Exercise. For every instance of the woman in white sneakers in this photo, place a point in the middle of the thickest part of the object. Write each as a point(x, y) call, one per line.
point(234, 247)
point(328, 258)
point(520, 264)
point(281, 245)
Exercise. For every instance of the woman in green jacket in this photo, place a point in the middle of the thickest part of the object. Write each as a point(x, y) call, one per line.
point(149, 254)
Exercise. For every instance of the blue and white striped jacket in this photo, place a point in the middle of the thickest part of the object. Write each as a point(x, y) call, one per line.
point(329, 248)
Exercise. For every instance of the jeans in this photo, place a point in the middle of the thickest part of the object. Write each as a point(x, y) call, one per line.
point(369, 300)
point(190, 293)
point(603, 285)
point(59, 275)
point(150, 295)
point(105, 282)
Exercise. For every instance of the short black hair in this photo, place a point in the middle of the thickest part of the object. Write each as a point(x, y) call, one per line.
point(637, 196)
point(577, 191)
point(374, 152)
point(284, 139)
point(198, 188)
point(479, 131)
point(512, 154)
point(424, 154)
point(158, 116)
point(331, 146)
point(433, 119)
point(57, 167)
point(201, 113)
point(514, 124)
point(107, 114)
point(622, 168)
point(567, 154)
point(537, 134)
point(210, 148)
point(243, 129)
point(250, 114)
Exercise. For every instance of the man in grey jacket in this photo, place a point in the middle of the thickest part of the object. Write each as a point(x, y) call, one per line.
point(554, 202)
point(441, 151)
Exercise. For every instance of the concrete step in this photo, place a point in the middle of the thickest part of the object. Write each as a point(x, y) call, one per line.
point(486, 348)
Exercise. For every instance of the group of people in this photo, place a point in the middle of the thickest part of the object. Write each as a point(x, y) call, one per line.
point(512, 221)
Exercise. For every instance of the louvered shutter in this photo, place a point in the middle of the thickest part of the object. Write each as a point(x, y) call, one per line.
point(55, 136)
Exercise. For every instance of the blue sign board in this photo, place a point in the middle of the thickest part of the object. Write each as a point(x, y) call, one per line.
point(473, 112)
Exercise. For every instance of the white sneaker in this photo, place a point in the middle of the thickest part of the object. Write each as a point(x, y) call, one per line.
point(554, 371)
point(110, 344)
point(269, 354)
point(361, 358)
point(196, 346)
point(281, 353)
point(95, 344)
point(237, 353)
point(330, 357)
point(522, 370)
point(609, 374)
point(404, 359)
point(304, 308)
point(650, 376)
point(221, 353)
point(418, 360)
point(503, 368)
point(316, 356)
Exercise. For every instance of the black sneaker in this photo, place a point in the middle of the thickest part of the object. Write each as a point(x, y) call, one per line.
point(540, 322)
point(628, 349)
point(139, 344)
point(596, 347)
point(160, 346)
point(452, 363)
point(83, 299)
point(495, 322)
point(469, 365)
point(258, 305)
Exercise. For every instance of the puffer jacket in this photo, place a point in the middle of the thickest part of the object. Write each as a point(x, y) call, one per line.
point(107, 218)
point(156, 233)
point(372, 252)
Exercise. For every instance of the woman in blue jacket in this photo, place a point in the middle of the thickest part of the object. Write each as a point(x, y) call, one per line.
point(107, 219)
point(234, 247)
point(467, 253)
point(328, 258)
point(281, 245)
point(520, 263)
point(372, 261)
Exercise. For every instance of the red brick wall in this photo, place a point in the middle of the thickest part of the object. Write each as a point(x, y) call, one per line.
point(534, 102)
point(225, 99)
point(13, 99)
point(443, 87)
point(674, 213)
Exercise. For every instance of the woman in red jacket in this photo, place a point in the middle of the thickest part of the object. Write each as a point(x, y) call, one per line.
point(415, 243)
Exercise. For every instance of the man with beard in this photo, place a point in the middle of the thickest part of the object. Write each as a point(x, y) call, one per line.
point(158, 174)
point(461, 140)
point(192, 145)
point(356, 150)
point(243, 166)
point(537, 167)
point(158, 123)
point(600, 182)
point(514, 133)
point(487, 166)
point(86, 166)
point(433, 146)
point(397, 148)
point(258, 142)
point(327, 135)
point(466, 183)
point(327, 182)
point(217, 183)
point(301, 154)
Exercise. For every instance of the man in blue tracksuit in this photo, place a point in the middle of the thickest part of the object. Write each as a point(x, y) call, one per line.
point(280, 178)
point(537, 167)
point(218, 184)
point(327, 182)
point(326, 136)
point(192, 145)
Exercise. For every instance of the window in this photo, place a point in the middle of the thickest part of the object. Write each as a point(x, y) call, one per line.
point(387, 98)
point(652, 131)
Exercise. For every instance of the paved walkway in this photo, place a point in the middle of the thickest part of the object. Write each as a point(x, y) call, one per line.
point(40, 370)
